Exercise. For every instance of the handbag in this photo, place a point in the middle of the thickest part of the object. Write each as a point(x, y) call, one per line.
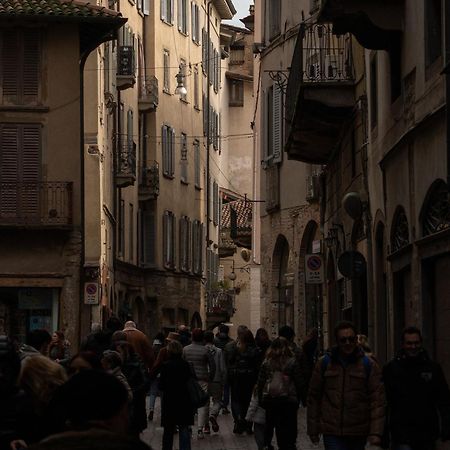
point(197, 395)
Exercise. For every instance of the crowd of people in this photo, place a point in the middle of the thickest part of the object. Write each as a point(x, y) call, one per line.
point(97, 398)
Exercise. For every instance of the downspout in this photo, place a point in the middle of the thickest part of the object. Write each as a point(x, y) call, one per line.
point(447, 85)
point(208, 118)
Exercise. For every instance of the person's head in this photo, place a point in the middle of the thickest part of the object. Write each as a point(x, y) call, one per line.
point(130, 325)
point(346, 339)
point(279, 350)
point(58, 337)
point(114, 324)
point(287, 332)
point(247, 339)
point(182, 328)
point(174, 349)
point(94, 399)
point(111, 360)
point(40, 376)
point(118, 336)
point(209, 337)
point(241, 329)
point(198, 335)
point(172, 336)
point(224, 329)
point(261, 335)
point(39, 339)
point(83, 361)
point(412, 341)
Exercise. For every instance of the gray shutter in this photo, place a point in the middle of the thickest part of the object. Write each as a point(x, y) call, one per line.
point(146, 7)
point(193, 34)
point(164, 149)
point(163, 5)
point(174, 237)
point(172, 153)
point(165, 238)
point(148, 238)
point(265, 149)
point(172, 11)
point(277, 122)
point(180, 14)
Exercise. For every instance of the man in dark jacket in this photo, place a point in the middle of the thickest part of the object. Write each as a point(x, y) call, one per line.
point(418, 396)
point(346, 396)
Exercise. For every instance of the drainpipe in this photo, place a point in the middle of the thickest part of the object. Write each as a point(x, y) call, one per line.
point(208, 118)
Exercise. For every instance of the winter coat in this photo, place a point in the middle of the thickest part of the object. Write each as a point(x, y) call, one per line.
point(96, 343)
point(176, 407)
point(219, 361)
point(344, 398)
point(141, 345)
point(201, 359)
point(242, 364)
point(117, 372)
point(291, 368)
point(418, 399)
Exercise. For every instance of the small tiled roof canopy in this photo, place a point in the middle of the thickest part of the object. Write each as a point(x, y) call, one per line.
point(97, 24)
point(56, 8)
point(243, 214)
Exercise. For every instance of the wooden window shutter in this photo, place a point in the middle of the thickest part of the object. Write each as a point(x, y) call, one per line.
point(180, 15)
point(10, 66)
point(146, 7)
point(9, 146)
point(173, 230)
point(164, 149)
point(166, 238)
point(172, 11)
point(31, 65)
point(148, 238)
point(277, 121)
point(172, 153)
point(163, 7)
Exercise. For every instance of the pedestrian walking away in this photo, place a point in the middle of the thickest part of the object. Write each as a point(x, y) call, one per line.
point(202, 361)
point(221, 340)
point(418, 396)
point(281, 385)
point(158, 344)
point(346, 401)
point(215, 387)
point(176, 408)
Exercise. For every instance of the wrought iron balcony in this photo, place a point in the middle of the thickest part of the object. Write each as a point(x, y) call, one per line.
point(148, 93)
point(126, 162)
point(149, 181)
point(320, 92)
point(219, 305)
point(126, 68)
point(36, 205)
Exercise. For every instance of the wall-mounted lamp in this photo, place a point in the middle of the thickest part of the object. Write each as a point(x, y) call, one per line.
point(232, 275)
point(180, 89)
point(332, 237)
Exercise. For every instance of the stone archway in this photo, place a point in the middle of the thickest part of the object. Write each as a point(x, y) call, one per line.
point(196, 321)
point(381, 298)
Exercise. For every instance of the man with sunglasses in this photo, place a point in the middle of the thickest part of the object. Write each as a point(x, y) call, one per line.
point(418, 396)
point(346, 396)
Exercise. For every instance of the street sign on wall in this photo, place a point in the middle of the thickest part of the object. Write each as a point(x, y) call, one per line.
point(91, 293)
point(314, 273)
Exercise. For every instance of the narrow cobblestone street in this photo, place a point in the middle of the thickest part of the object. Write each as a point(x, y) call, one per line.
point(224, 439)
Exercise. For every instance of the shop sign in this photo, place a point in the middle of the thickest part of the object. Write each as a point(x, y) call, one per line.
point(91, 294)
point(35, 298)
point(314, 273)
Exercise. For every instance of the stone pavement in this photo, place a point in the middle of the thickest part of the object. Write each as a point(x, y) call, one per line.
point(224, 439)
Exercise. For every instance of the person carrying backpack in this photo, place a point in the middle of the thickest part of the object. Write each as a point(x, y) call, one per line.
point(280, 387)
point(346, 400)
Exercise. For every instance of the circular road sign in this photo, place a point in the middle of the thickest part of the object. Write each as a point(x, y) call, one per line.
point(314, 262)
point(352, 264)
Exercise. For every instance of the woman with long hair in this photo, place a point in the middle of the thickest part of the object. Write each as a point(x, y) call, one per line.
point(280, 388)
point(58, 349)
point(262, 341)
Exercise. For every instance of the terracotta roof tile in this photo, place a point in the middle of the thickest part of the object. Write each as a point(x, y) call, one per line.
point(55, 8)
point(243, 214)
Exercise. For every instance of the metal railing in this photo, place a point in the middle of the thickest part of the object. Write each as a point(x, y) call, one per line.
point(149, 181)
point(219, 302)
point(36, 204)
point(326, 56)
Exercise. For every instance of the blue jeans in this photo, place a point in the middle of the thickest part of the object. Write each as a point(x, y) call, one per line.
point(184, 435)
point(344, 442)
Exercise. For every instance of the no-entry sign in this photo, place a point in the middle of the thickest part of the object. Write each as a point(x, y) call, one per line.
point(314, 269)
point(90, 293)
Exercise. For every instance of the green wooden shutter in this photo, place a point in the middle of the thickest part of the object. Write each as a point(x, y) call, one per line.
point(277, 121)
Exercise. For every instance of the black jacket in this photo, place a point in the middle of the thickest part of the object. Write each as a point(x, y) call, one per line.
point(418, 399)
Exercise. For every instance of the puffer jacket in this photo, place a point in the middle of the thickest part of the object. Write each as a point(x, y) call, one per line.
point(346, 399)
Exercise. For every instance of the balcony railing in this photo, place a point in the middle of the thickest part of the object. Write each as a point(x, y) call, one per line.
point(326, 56)
point(219, 302)
point(36, 204)
point(148, 93)
point(126, 162)
point(149, 181)
point(126, 68)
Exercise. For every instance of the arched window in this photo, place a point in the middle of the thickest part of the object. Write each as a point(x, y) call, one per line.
point(435, 214)
point(400, 230)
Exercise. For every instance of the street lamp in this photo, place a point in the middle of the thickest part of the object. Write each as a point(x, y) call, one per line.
point(180, 89)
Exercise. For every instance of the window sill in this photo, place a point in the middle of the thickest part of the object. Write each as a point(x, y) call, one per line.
point(24, 108)
point(197, 108)
point(198, 187)
point(184, 100)
point(185, 182)
point(166, 91)
point(184, 33)
point(169, 177)
point(167, 23)
point(236, 105)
